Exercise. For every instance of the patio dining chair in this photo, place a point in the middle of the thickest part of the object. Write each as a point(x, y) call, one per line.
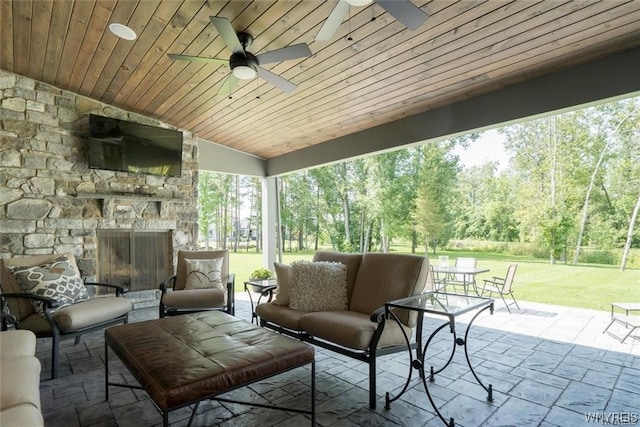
point(502, 286)
point(435, 282)
point(460, 279)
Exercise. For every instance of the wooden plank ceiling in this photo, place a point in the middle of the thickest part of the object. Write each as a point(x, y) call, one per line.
point(370, 73)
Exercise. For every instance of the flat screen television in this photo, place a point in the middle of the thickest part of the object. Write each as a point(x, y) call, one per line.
point(124, 146)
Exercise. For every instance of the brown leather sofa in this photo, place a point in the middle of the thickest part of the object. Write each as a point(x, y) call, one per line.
point(20, 380)
point(361, 332)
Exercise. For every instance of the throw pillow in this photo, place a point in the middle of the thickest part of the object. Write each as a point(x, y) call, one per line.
point(283, 273)
point(204, 274)
point(318, 286)
point(58, 279)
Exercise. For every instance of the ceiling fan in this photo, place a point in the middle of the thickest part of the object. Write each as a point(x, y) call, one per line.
point(410, 15)
point(244, 64)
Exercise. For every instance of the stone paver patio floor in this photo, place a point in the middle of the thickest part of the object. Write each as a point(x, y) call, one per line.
point(549, 366)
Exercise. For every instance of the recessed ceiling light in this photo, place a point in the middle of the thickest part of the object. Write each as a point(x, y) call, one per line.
point(122, 31)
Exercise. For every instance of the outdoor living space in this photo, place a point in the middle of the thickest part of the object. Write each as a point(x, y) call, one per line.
point(549, 365)
point(130, 130)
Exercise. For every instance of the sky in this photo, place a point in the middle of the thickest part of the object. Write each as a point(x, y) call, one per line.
point(487, 148)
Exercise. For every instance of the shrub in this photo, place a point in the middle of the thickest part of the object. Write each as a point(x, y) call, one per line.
point(598, 257)
point(261, 274)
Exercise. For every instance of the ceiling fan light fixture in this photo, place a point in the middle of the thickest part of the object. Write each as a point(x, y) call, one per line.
point(358, 3)
point(122, 31)
point(244, 72)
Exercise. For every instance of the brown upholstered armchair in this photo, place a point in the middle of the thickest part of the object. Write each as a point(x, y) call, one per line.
point(202, 282)
point(57, 317)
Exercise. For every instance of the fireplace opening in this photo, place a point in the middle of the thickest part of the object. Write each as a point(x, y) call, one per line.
point(138, 259)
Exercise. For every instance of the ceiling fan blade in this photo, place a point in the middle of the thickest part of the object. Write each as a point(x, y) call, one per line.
point(227, 33)
point(276, 80)
point(290, 52)
point(227, 86)
point(334, 21)
point(404, 11)
point(196, 58)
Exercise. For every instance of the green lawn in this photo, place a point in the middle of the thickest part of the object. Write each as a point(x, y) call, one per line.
point(587, 286)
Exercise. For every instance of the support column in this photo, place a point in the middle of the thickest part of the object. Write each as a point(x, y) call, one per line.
point(269, 221)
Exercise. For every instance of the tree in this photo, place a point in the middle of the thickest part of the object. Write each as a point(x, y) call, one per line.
point(330, 204)
point(214, 194)
point(605, 125)
point(627, 245)
point(299, 216)
point(435, 195)
point(546, 171)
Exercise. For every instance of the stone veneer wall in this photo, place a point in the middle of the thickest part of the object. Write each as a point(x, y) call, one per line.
point(52, 202)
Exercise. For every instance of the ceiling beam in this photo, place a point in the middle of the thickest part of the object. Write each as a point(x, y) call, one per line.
point(612, 77)
point(218, 158)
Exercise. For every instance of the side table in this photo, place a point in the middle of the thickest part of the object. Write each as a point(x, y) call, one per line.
point(448, 306)
point(264, 288)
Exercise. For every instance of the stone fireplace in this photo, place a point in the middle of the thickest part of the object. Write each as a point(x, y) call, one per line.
point(52, 202)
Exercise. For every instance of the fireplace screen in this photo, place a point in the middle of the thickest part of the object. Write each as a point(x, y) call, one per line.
point(140, 260)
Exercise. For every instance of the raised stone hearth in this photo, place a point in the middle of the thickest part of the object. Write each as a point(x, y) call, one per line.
point(52, 202)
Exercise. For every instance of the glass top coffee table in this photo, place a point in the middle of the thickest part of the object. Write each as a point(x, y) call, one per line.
point(436, 304)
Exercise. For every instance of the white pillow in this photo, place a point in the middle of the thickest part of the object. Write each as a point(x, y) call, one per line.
point(283, 273)
point(318, 286)
point(204, 274)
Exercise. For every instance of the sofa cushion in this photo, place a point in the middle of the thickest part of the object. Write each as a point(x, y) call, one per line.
point(386, 277)
point(21, 378)
point(283, 273)
point(17, 343)
point(351, 329)
point(352, 261)
point(58, 279)
point(21, 415)
point(280, 315)
point(204, 273)
point(318, 286)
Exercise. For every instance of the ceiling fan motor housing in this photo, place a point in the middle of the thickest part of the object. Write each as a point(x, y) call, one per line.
point(248, 60)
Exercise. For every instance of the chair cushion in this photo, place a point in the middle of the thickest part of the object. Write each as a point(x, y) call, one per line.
point(318, 286)
point(195, 299)
point(351, 329)
point(204, 273)
point(181, 265)
point(37, 324)
point(88, 313)
point(283, 274)
point(58, 279)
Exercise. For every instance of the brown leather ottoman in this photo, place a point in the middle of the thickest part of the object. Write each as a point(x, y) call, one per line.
point(184, 359)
